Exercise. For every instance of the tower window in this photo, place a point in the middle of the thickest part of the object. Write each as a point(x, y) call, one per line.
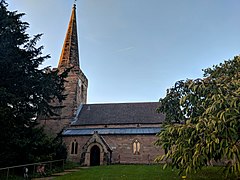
point(74, 147)
point(136, 147)
point(82, 92)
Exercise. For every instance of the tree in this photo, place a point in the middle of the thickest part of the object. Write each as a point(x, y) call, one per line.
point(25, 90)
point(208, 112)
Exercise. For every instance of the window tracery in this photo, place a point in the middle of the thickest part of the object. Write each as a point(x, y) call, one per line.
point(136, 147)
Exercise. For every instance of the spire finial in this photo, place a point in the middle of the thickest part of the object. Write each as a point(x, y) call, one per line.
point(74, 4)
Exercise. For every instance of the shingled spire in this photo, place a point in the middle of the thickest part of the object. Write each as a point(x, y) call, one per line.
point(69, 56)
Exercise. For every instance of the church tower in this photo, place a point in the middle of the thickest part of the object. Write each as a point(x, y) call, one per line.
point(76, 83)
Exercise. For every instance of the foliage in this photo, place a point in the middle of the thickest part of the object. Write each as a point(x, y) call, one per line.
point(209, 108)
point(25, 90)
point(170, 104)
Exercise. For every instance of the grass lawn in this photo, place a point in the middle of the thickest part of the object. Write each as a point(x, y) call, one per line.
point(139, 172)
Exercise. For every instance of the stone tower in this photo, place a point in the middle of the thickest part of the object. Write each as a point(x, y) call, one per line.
point(76, 83)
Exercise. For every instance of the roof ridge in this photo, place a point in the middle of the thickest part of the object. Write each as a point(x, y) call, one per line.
point(121, 103)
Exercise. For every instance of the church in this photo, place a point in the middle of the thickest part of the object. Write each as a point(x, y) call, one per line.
point(101, 134)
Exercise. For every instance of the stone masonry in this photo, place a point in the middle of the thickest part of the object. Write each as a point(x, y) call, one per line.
point(98, 134)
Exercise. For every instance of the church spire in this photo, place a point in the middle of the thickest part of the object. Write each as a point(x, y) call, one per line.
point(69, 56)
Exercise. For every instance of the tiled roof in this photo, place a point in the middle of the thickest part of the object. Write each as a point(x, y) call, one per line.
point(119, 113)
point(111, 131)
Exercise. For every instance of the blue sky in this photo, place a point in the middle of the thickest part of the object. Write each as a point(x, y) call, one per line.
point(133, 50)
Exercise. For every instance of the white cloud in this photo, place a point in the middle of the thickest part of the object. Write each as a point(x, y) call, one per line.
point(124, 49)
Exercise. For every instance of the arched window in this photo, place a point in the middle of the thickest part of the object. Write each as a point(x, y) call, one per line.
point(74, 147)
point(136, 147)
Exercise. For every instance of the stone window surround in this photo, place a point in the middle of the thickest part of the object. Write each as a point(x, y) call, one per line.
point(74, 147)
point(136, 146)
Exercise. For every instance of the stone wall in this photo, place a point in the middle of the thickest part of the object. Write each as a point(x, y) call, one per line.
point(81, 140)
point(76, 89)
point(122, 148)
point(53, 127)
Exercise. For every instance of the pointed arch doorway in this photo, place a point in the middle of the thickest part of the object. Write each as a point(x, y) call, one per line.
point(95, 156)
point(96, 151)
